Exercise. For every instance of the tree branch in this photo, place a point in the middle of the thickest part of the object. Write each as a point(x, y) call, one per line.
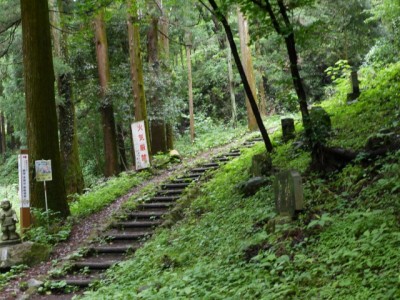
point(283, 11)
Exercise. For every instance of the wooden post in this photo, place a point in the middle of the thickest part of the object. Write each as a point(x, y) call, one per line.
point(25, 210)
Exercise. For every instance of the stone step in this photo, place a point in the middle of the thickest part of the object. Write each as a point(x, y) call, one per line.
point(222, 159)
point(147, 214)
point(79, 282)
point(201, 170)
point(151, 205)
point(234, 151)
point(232, 154)
point(256, 139)
point(163, 199)
point(117, 248)
point(169, 192)
point(184, 180)
point(249, 143)
point(211, 165)
point(95, 265)
point(123, 235)
point(191, 176)
point(137, 224)
point(82, 283)
point(182, 185)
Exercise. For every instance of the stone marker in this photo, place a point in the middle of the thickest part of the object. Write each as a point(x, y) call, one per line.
point(261, 165)
point(288, 193)
point(355, 87)
point(288, 131)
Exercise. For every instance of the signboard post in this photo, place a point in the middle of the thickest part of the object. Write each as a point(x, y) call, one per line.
point(23, 192)
point(43, 173)
point(140, 145)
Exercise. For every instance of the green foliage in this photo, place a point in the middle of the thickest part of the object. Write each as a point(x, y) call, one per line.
point(106, 192)
point(13, 273)
point(209, 134)
point(48, 229)
point(287, 156)
point(377, 108)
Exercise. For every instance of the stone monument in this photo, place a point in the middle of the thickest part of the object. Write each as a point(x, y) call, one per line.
point(288, 193)
point(288, 130)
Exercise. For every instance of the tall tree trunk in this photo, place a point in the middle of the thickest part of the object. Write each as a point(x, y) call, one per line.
point(41, 116)
point(248, 67)
point(262, 96)
point(190, 92)
point(137, 69)
point(10, 132)
point(70, 163)
point(3, 134)
point(164, 38)
point(158, 130)
point(106, 106)
point(123, 161)
point(231, 88)
point(246, 85)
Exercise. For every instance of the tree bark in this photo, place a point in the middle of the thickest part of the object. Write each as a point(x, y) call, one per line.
point(190, 92)
point(137, 69)
point(158, 130)
point(106, 106)
point(70, 163)
point(41, 116)
point(3, 133)
point(164, 38)
point(223, 20)
point(231, 87)
point(262, 96)
point(248, 67)
point(123, 161)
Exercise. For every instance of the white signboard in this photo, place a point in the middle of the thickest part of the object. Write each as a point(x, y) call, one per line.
point(43, 170)
point(140, 145)
point(23, 174)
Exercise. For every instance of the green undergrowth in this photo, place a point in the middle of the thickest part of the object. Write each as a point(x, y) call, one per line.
point(105, 193)
point(343, 246)
point(210, 135)
point(377, 108)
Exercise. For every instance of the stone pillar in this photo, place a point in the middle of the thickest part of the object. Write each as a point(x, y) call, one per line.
point(288, 131)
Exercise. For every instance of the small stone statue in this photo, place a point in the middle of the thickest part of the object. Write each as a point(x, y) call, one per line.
point(8, 219)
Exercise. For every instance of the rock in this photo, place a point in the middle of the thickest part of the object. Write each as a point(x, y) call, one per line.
point(34, 283)
point(321, 122)
point(261, 165)
point(383, 139)
point(27, 253)
point(251, 186)
point(174, 155)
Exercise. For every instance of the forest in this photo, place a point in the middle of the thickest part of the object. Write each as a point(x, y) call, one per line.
point(204, 77)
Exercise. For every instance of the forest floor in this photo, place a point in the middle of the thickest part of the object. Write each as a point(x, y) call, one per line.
point(87, 227)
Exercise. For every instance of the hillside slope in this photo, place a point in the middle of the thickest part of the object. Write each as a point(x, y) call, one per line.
point(345, 245)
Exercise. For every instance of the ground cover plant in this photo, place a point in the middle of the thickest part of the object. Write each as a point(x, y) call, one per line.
point(344, 245)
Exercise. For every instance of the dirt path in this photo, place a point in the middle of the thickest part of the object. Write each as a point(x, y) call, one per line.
point(82, 231)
